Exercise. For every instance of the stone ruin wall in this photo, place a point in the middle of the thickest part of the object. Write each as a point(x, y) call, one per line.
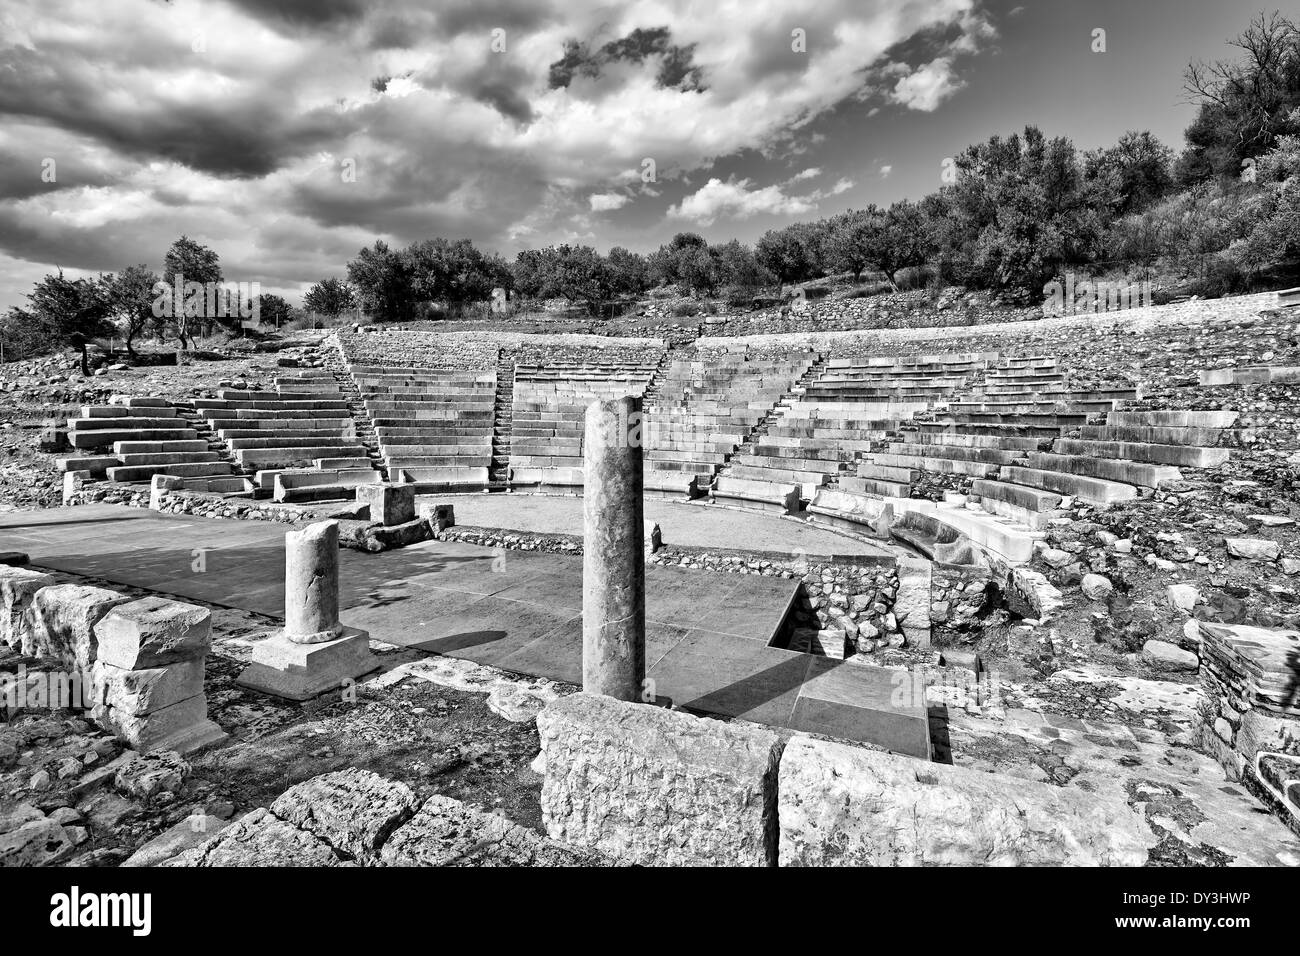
point(478, 350)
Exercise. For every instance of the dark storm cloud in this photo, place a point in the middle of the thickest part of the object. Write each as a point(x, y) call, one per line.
point(249, 136)
point(675, 67)
point(290, 15)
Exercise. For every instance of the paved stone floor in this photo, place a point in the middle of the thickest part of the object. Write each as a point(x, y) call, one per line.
point(707, 640)
point(692, 524)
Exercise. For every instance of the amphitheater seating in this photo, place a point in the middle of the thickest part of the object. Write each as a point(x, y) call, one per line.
point(306, 419)
point(134, 439)
point(819, 433)
point(548, 416)
point(434, 425)
point(1008, 435)
point(704, 409)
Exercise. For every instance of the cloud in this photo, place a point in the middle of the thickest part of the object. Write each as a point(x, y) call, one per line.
point(604, 202)
point(885, 170)
point(927, 87)
point(736, 200)
point(230, 120)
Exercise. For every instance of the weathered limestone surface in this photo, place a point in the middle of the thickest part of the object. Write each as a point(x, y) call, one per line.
point(185, 835)
point(445, 832)
point(847, 806)
point(314, 652)
point(390, 504)
point(656, 787)
point(18, 586)
point(62, 622)
point(153, 632)
point(613, 560)
point(259, 838)
point(352, 810)
point(311, 583)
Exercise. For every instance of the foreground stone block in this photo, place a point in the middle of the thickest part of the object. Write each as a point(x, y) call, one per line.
point(847, 806)
point(284, 668)
point(62, 623)
point(18, 586)
point(153, 632)
point(389, 504)
point(148, 690)
point(182, 727)
point(352, 810)
point(1170, 658)
point(259, 838)
point(189, 833)
point(446, 832)
point(651, 786)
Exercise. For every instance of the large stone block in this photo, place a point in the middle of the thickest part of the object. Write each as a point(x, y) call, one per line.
point(182, 727)
point(153, 632)
point(144, 691)
point(259, 838)
point(847, 806)
point(445, 832)
point(656, 787)
point(17, 588)
point(352, 810)
point(62, 622)
point(389, 504)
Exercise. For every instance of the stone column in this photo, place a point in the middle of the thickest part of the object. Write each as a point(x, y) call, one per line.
point(313, 653)
point(311, 584)
point(613, 562)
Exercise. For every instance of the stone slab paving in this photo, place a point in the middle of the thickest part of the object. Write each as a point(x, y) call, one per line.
point(689, 524)
point(707, 633)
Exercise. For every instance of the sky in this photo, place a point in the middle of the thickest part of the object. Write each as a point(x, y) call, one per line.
point(288, 134)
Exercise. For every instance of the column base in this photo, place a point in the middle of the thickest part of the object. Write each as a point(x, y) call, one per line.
point(301, 671)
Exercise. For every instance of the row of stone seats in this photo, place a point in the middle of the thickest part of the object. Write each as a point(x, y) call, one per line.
point(548, 416)
point(1255, 375)
point(288, 433)
point(704, 410)
point(132, 439)
point(1025, 472)
point(435, 426)
point(853, 403)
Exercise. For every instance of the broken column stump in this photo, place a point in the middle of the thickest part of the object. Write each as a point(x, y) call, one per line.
point(313, 653)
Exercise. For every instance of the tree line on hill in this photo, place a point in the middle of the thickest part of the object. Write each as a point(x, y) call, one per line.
point(1013, 214)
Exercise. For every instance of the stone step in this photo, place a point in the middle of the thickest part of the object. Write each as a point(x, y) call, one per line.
point(266, 438)
point(1029, 506)
point(255, 459)
point(546, 475)
point(169, 457)
point(1173, 419)
point(122, 422)
point(937, 465)
point(336, 425)
point(1153, 434)
point(181, 470)
point(774, 495)
point(876, 486)
point(1097, 491)
point(1256, 375)
point(1012, 541)
point(1138, 473)
point(97, 465)
point(436, 461)
point(119, 411)
point(1186, 456)
point(107, 438)
point(899, 474)
point(154, 447)
point(131, 401)
point(774, 474)
point(972, 453)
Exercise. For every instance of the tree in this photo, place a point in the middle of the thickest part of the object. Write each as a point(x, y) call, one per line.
point(577, 273)
point(1243, 104)
point(453, 272)
point(131, 296)
point(330, 297)
point(1134, 173)
point(383, 280)
point(71, 310)
point(629, 272)
point(272, 310)
point(190, 261)
point(739, 267)
point(852, 239)
point(1273, 214)
point(903, 240)
point(795, 253)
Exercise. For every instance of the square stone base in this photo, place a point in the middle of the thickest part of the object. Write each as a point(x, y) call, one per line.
point(299, 671)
